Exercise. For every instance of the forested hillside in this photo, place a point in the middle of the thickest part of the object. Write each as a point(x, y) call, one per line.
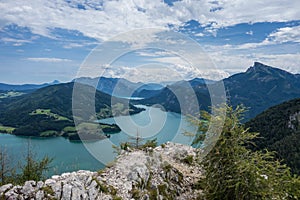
point(279, 129)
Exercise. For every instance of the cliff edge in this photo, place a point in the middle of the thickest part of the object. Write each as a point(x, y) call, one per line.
point(169, 171)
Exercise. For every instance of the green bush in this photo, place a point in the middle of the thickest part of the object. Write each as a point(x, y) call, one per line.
point(234, 172)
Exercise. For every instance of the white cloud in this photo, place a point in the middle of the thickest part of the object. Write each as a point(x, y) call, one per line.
point(200, 34)
point(288, 62)
point(286, 34)
point(249, 32)
point(235, 63)
point(281, 35)
point(16, 42)
point(51, 60)
point(104, 19)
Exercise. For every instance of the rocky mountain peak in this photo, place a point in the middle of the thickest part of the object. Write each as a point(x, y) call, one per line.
point(261, 68)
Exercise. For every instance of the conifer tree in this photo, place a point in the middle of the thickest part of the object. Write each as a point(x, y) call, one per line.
point(233, 171)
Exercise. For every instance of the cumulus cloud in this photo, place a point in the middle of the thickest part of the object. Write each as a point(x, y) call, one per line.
point(281, 35)
point(286, 34)
point(104, 19)
point(235, 63)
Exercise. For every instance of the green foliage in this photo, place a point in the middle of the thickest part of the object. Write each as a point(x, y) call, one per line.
point(48, 190)
point(6, 129)
point(136, 145)
point(114, 197)
point(188, 159)
point(48, 113)
point(31, 169)
point(125, 146)
point(279, 132)
point(153, 193)
point(233, 171)
point(103, 188)
point(6, 170)
point(69, 129)
point(34, 169)
point(150, 144)
point(49, 133)
point(50, 108)
point(135, 193)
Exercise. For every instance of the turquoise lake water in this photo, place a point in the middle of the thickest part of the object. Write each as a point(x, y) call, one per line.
point(72, 156)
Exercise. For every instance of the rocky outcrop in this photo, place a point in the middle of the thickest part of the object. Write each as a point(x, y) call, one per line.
point(169, 171)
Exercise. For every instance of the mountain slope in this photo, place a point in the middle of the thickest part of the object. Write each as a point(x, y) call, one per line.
point(121, 87)
point(116, 86)
point(279, 127)
point(50, 109)
point(167, 97)
point(259, 88)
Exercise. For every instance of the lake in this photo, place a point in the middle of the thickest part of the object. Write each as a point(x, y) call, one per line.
point(71, 156)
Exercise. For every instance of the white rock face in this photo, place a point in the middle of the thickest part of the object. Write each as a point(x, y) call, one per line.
point(164, 171)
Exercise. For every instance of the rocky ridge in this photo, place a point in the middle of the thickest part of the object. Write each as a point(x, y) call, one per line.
point(169, 171)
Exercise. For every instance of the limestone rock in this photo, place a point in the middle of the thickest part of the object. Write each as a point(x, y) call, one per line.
point(138, 174)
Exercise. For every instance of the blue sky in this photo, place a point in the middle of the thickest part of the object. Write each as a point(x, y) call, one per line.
point(42, 41)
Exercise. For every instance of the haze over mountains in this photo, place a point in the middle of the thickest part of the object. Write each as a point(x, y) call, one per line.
point(24, 87)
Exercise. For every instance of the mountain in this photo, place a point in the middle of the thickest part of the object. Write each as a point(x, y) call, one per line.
point(167, 97)
point(24, 87)
point(279, 129)
point(114, 86)
point(48, 111)
point(193, 82)
point(147, 90)
point(120, 87)
point(259, 88)
point(150, 86)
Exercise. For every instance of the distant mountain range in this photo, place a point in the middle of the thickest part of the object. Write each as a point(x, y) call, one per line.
point(259, 88)
point(24, 87)
point(118, 86)
point(279, 129)
point(48, 111)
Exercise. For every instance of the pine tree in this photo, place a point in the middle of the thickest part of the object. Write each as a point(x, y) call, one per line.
point(34, 169)
point(233, 171)
point(5, 169)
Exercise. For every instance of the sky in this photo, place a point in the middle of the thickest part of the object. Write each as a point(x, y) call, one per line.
point(42, 41)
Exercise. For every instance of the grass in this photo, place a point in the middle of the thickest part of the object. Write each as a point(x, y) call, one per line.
point(188, 159)
point(7, 129)
point(48, 133)
point(69, 129)
point(88, 126)
point(49, 113)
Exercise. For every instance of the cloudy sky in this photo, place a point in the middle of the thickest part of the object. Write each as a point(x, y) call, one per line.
point(41, 41)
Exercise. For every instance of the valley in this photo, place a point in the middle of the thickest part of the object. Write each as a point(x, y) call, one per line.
point(47, 112)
